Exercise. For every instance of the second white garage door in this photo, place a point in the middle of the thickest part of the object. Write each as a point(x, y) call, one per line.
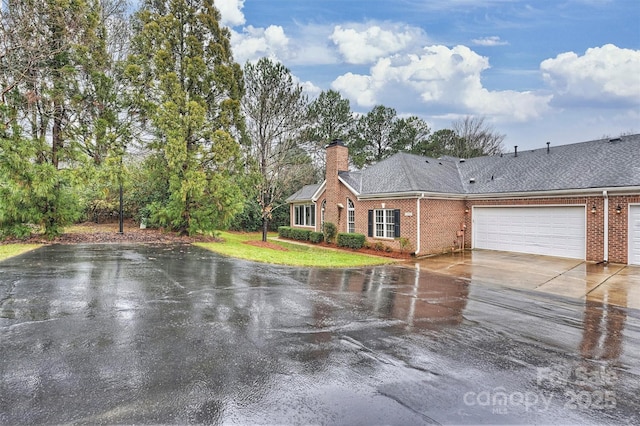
point(553, 231)
point(634, 234)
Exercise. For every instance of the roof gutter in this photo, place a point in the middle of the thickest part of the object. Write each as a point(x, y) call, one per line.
point(622, 190)
point(605, 195)
point(410, 194)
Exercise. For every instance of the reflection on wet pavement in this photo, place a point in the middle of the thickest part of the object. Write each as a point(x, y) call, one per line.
point(176, 334)
point(602, 334)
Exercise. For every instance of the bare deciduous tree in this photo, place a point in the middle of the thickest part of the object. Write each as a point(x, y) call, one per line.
point(275, 110)
point(476, 138)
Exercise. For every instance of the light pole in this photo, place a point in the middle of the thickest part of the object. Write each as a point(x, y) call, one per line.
point(121, 210)
point(124, 148)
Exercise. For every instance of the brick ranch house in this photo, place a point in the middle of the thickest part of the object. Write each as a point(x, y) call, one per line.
point(578, 201)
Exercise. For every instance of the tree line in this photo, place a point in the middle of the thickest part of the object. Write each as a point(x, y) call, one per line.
point(94, 100)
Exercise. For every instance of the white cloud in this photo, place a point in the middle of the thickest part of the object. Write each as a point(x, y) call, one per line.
point(307, 46)
point(603, 74)
point(489, 41)
point(364, 44)
point(231, 12)
point(360, 88)
point(442, 77)
point(254, 43)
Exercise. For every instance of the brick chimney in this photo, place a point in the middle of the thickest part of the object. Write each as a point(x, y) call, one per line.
point(337, 161)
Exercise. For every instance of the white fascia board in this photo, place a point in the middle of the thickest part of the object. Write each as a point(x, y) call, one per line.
point(627, 190)
point(349, 187)
point(319, 191)
point(410, 194)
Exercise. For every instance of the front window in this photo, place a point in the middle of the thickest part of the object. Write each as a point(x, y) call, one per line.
point(351, 216)
point(305, 215)
point(384, 223)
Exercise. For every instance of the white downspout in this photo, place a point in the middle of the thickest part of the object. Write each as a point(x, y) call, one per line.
point(606, 227)
point(418, 236)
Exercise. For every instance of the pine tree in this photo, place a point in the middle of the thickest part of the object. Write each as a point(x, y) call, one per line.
point(185, 84)
point(52, 55)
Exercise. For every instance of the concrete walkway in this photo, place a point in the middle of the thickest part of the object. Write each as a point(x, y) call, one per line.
point(613, 283)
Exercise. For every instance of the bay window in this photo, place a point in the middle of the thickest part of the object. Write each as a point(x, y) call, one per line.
point(305, 215)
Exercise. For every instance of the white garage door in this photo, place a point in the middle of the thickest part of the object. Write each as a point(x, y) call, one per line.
point(552, 231)
point(634, 235)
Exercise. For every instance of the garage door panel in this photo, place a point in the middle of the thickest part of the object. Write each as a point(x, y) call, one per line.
point(634, 234)
point(554, 231)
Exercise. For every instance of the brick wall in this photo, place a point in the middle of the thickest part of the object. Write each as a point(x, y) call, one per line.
point(440, 222)
point(407, 207)
point(408, 222)
point(337, 160)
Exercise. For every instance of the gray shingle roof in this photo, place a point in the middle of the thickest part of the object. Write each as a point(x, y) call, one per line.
point(404, 172)
point(600, 163)
point(595, 164)
point(304, 194)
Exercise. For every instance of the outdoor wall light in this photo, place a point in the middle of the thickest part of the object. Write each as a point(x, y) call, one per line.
point(593, 209)
point(466, 210)
point(618, 209)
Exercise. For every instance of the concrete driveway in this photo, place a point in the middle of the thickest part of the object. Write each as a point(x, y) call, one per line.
point(613, 283)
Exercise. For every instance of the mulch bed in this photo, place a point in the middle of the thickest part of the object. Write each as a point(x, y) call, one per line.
point(89, 232)
point(92, 233)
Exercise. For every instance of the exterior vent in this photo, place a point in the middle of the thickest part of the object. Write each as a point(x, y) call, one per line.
point(548, 148)
point(462, 160)
point(515, 151)
point(615, 140)
point(472, 180)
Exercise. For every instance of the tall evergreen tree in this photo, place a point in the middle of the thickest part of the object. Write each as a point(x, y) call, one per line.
point(53, 54)
point(373, 141)
point(411, 135)
point(330, 117)
point(184, 82)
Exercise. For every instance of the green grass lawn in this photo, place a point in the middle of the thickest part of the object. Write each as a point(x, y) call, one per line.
point(296, 254)
point(10, 250)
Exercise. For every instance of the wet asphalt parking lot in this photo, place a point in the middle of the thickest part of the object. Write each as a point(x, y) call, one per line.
point(175, 334)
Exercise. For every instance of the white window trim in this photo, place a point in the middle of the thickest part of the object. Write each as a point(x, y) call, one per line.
point(304, 216)
point(351, 208)
point(385, 224)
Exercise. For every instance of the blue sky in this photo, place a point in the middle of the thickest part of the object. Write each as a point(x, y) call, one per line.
point(561, 71)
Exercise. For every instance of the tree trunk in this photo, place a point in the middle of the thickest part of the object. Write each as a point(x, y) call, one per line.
point(265, 228)
point(56, 133)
